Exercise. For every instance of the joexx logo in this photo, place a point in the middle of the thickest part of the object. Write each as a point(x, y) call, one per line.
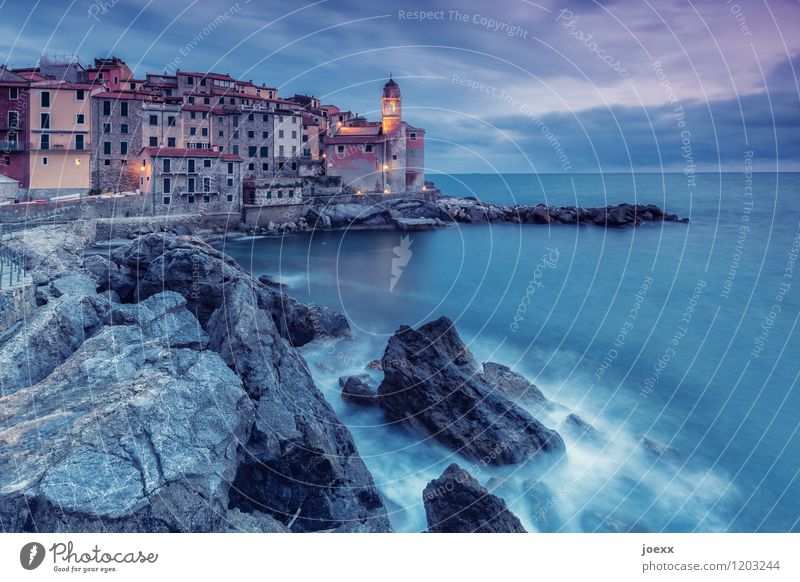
point(31, 555)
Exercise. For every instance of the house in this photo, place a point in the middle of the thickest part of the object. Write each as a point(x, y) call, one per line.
point(190, 180)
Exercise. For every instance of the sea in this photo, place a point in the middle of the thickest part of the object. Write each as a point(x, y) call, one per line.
point(677, 342)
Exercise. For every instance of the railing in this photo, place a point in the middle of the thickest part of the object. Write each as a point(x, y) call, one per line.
point(12, 269)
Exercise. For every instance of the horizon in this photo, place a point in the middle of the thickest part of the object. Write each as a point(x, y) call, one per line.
point(512, 88)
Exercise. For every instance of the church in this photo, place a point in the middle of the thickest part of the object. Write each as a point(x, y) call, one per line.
point(386, 156)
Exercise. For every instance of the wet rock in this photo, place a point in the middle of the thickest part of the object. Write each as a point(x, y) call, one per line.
point(659, 450)
point(165, 317)
point(456, 503)
point(253, 522)
point(271, 283)
point(544, 510)
point(300, 461)
point(513, 385)
point(580, 428)
point(72, 284)
point(432, 382)
point(375, 365)
point(356, 390)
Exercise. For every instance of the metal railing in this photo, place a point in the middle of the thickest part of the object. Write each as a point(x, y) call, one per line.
point(12, 269)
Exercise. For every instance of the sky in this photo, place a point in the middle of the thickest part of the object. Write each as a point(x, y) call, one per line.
point(501, 86)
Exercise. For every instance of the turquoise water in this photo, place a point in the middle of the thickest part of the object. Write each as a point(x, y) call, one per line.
point(683, 333)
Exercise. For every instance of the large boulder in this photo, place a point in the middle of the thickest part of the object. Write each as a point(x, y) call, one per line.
point(457, 503)
point(513, 385)
point(301, 464)
point(161, 262)
point(432, 382)
point(356, 390)
point(127, 435)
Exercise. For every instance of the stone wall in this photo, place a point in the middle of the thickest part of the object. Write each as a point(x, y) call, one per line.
point(263, 215)
point(16, 304)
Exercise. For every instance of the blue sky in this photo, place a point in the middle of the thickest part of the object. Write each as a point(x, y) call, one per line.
point(512, 85)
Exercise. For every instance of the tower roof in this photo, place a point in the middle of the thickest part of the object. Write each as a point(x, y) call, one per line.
point(391, 89)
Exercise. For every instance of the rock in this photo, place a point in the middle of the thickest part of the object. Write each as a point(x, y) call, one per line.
point(513, 385)
point(72, 284)
point(300, 457)
point(107, 275)
point(659, 450)
point(52, 334)
point(302, 323)
point(413, 224)
point(432, 382)
point(156, 263)
point(375, 365)
point(544, 511)
point(149, 443)
point(540, 215)
point(271, 283)
point(356, 390)
point(579, 428)
point(456, 503)
point(165, 317)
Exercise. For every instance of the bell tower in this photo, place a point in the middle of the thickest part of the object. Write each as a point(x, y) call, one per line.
point(391, 107)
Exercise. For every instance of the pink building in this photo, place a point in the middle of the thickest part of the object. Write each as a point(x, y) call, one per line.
point(386, 156)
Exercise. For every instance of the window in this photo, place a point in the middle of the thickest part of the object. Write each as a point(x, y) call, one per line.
point(206, 163)
point(306, 152)
point(167, 187)
point(269, 194)
point(232, 101)
point(412, 136)
point(44, 160)
point(123, 128)
point(106, 107)
point(294, 120)
point(230, 196)
point(251, 117)
point(264, 134)
point(251, 151)
point(251, 167)
point(191, 167)
point(368, 148)
point(190, 197)
point(220, 134)
point(236, 121)
point(123, 148)
point(264, 167)
point(123, 109)
point(206, 101)
point(264, 118)
point(153, 142)
point(264, 153)
point(294, 151)
point(251, 134)
point(192, 131)
point(305, 138)
point(294, 165)
point(106, 128)
point(193, 115)
point(108, 163)
point(154, 120)
point(394, 156)
point(206, 198)
point(167, 200)
point(294, 135)
point(280, 151)
point(220, 120)
point(13, 119)
point(107, 148)
point(236, 149)
point(204, 131)
point(171, 121)
point(79, 142)
point(170, 142)
point(13, 93)
point(167, 166)
point(206, 185)
point(280, 119)
point(280, 193)
point(190, 80)
point(230, 167)
point(80, 95)
point(203, 81)
point(280, 133)
point(44, 121)
point(44, 99)
point(80, 119)
point(191, 185)
point(191, 100)
point(236, 134)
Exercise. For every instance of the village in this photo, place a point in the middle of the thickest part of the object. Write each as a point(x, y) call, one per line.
point(190, 143)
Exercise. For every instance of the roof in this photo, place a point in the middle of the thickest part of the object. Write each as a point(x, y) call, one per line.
point(137, 95)
point(8, 76)
point(188, 153)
